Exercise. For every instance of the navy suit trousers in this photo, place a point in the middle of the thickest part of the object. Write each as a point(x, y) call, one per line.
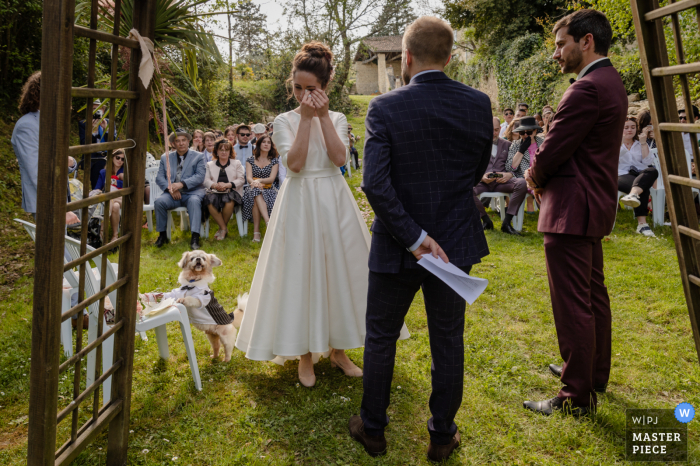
point(389, 297)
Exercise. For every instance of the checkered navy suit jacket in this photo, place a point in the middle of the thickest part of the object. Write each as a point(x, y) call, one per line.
point(427, 144)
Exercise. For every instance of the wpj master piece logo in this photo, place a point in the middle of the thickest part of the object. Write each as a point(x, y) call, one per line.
point(658, 434)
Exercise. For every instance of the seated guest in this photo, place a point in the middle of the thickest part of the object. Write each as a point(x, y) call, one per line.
point(635, 173)
point(218, 134)
point(243, 149)
point(100, 133)
point(209, 140)
point(538, 119)
point(508, 115)
point(260, 194)
point(224, 182)
point(259, 130)
point(510, 134)
point(644, 122)
point(524, 108)
point(354, 155)
point(198, 140)
point(547, 117)
point(270, 127)
point(683, 118)
point(230, 135)
point(187, 171)
point(523, 150)
point(499, 179)
point(117, 182)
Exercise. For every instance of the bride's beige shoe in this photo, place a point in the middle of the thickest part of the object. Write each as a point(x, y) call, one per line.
point(307, 380)
point(350, 370)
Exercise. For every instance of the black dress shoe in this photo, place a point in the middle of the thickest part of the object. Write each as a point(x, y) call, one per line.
point(374, 445)
point(548, 407)
point(508, 228)
point(488, 224)
point(556, 372)
point(162, 240)
point(194, 242)
point(438, 453)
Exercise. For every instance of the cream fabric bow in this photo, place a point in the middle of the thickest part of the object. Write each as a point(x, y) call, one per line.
point(146, 65)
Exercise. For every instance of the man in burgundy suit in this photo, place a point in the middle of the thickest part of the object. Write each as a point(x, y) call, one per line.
point(575, 171)
point(505, 183)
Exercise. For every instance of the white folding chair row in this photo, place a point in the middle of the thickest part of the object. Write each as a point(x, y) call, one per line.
point(658, 194)
point(500, 198)
point(151, 174)
point(71, 279)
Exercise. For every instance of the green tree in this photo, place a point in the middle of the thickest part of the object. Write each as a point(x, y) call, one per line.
point(498, 21)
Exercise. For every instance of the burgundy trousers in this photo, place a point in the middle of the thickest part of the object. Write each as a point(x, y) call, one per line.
point(582, 316)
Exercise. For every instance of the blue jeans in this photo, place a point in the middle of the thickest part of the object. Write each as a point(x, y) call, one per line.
point(193, 203)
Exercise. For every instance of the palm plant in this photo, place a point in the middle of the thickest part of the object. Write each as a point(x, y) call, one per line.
point(178, 33)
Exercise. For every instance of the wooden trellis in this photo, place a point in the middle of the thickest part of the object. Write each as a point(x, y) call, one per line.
point(649, 20)
point(59, 31)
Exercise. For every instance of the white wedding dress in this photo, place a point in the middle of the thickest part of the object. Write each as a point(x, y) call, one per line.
point(309, 291)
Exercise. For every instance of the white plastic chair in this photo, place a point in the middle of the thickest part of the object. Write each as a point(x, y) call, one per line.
point(658, 194)
point(158, 323)
point(151, 174)
point(501, 199)
point(69, 277)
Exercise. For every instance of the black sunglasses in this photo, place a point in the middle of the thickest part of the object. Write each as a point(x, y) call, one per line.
point(245, 135)
point(527, 133)
point(682, 118)
point(119, 158)
point(509, 113)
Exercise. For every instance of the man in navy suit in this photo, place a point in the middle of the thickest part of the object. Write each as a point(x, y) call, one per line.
point(427, 144)
point(186, 189)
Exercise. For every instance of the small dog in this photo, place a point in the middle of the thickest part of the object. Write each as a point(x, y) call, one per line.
point(204, 311)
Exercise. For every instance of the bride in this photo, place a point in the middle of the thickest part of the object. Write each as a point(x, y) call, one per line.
point(309, 293)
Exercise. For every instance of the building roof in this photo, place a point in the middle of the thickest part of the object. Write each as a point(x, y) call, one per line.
point(371, 46)
point(384, 44)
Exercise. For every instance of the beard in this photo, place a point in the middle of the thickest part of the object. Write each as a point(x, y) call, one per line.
point(572, 62)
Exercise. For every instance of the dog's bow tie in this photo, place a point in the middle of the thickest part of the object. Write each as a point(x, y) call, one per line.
point(187, 288)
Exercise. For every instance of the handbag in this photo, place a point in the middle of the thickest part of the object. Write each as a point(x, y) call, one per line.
point(266, 186)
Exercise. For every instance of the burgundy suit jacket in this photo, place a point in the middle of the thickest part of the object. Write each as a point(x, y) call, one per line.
point(498, 163)
point(576, 166)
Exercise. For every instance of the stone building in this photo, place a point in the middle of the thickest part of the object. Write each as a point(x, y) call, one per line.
point(378, 65)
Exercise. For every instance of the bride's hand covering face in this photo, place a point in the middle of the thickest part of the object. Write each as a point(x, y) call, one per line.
point(320, 100)
point(306, 86)
point(307, 109)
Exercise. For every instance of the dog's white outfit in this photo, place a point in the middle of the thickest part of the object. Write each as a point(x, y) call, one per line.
point(210, 312)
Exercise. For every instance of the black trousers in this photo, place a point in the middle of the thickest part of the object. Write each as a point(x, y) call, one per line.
point(388, 299)
point(644, 180)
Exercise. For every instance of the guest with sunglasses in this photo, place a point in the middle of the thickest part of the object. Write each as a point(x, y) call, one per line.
point(116, 182)
point(243, 149)
point(522, 151)
point(508, 115)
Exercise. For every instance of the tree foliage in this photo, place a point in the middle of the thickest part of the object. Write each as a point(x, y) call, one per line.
point(497, 21)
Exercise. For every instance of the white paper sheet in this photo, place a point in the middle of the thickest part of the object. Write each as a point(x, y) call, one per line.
point(466, 286)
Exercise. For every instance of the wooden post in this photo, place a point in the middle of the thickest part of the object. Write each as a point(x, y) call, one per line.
point(381, 72)
point(54, 120)
point(137, 129)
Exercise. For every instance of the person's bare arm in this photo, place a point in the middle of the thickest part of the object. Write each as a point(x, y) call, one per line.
point(336, 148)
point(296, 157)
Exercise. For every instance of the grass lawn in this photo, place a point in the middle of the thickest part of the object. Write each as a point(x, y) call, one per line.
point(256, 413)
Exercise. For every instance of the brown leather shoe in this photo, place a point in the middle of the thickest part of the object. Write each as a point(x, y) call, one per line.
point(439, 453)
point(374, 446)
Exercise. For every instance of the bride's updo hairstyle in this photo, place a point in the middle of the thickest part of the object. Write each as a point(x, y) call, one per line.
point(315, 58)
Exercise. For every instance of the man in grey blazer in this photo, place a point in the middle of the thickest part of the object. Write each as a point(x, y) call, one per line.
point(499, 179)
point(187, 171)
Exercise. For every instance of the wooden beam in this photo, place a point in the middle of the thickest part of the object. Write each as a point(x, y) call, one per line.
point(670, 9)
point(674, 70)
point(680, 180)
point(103, 93)
point(679, 127)
point(70, 451)
point(81, 31)
point(99, 147)
point(144, 17)
point(54, 122)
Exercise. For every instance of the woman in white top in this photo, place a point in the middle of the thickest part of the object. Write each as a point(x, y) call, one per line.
point(635, 173)
point(309, 293)
point(224, 182)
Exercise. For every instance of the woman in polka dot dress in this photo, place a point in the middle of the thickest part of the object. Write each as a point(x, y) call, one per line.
point(260, 194)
